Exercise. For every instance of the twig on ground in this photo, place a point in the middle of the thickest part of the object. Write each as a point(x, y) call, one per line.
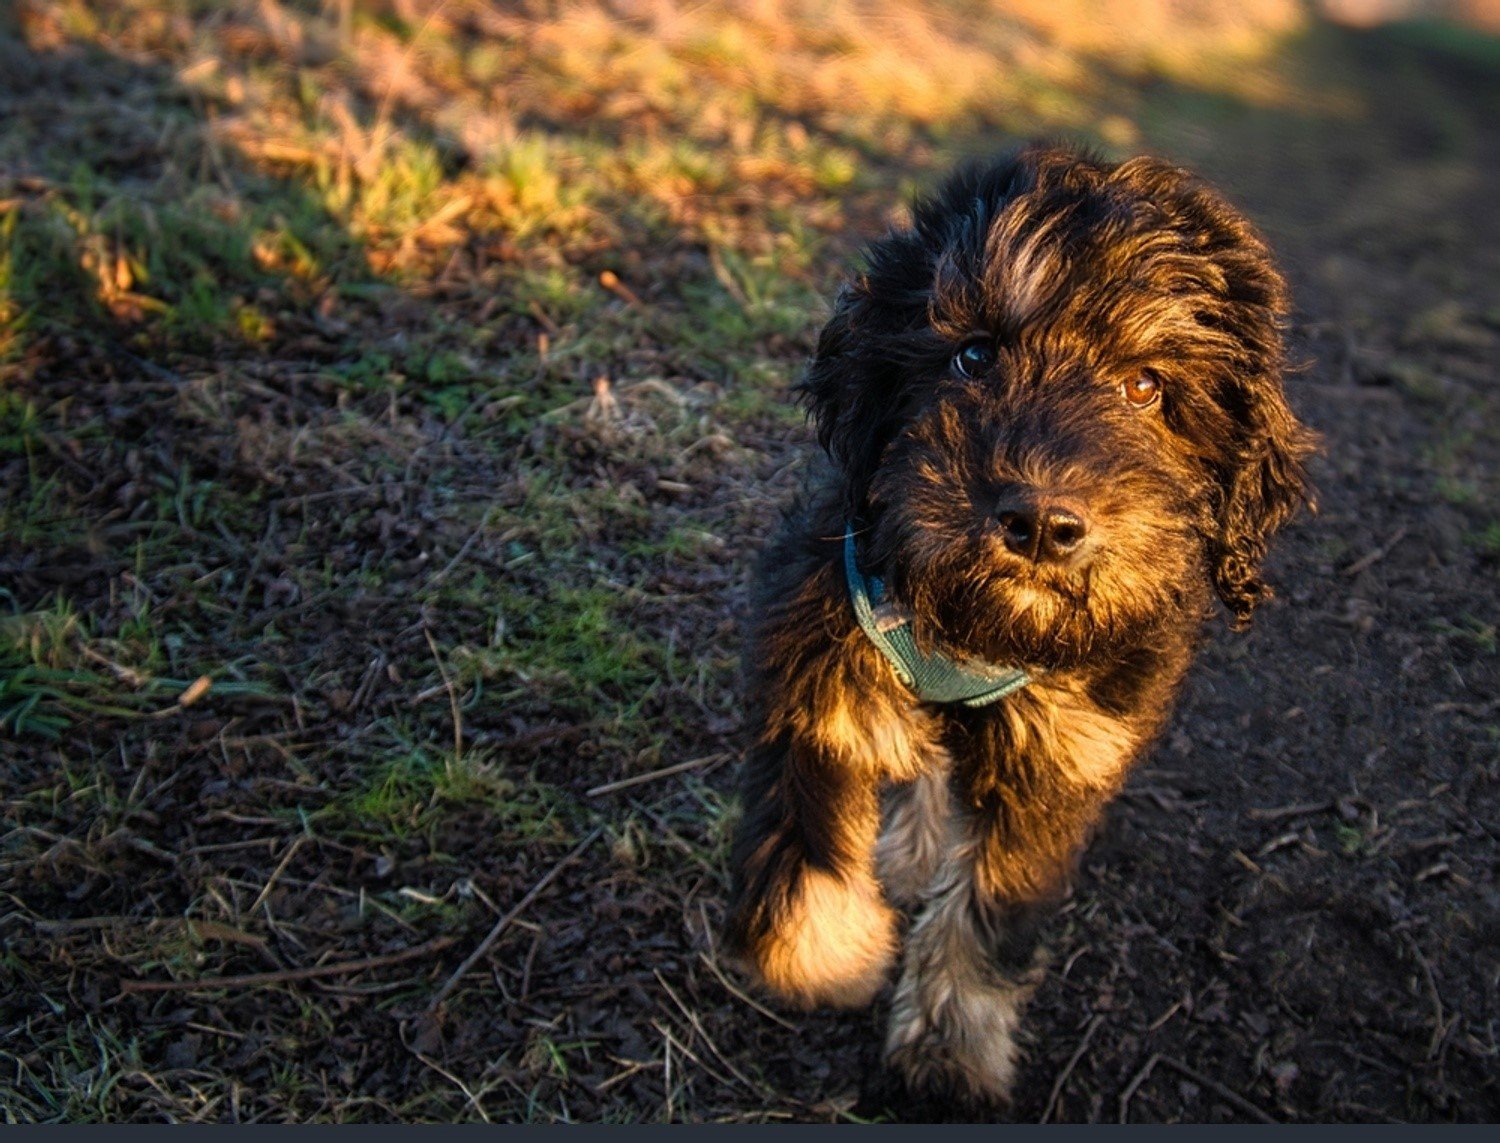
point(1135, 1082)
point(633, 1067)
point(664, 772)
point(1377, 555)
point(463, 550)
point(542, 319)
point(697, 1024)
point(124, 674)
point(291, 852)
point(456, 1082)
point(542, 736)
point(290, 975)
point(458, 723)
point(505, 922)
point(611, 282)
point(1477, 709)
point(1439, 1027)
point(1229, 1096)
point(447, 1075)
point(690, 1054)
point(1295, 811)
point(1175, 1007)
point(1062, 1076)
point(748, 999)
point(666, 1063)
point(536, 943)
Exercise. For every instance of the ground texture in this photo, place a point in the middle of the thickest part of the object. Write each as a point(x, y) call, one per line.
point(392, 399)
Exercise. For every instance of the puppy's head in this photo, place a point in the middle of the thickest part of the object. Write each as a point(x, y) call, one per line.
point(1057, 400)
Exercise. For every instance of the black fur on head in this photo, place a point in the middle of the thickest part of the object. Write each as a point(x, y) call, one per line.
point(1081, 281)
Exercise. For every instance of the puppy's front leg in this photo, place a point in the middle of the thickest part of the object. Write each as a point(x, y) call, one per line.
point(971, 964)
point(807, 914)
point(809, 918)
point(1033, 776)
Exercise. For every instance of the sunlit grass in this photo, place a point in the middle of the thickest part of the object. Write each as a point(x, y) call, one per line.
point(413, 134)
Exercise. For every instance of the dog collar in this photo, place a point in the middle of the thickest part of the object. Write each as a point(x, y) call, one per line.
point(932, 678)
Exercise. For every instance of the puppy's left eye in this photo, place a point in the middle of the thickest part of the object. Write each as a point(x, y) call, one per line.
point(974, 359)
point(1142, 390)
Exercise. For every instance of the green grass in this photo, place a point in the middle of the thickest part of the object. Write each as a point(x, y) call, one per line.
point(416, 787)
point(74, 1081)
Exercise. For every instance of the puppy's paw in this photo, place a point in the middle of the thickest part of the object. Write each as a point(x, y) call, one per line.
point(832, 943)
point(954, 1038)
point(931, 1073)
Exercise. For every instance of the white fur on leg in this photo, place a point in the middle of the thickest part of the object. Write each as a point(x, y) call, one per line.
point(833, 946)
point(955, 1016)
point(956, 1034)
point(916, 835)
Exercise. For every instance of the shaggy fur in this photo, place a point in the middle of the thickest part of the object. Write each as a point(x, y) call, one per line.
point(1054, 410)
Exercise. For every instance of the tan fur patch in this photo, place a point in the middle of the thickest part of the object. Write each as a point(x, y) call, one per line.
point(1093, 748)
point(1024, 264)
point(1058, 725)
point(833, 946)
point(877, 737)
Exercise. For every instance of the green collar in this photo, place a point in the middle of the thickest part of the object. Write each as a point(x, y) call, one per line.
point(932, 678)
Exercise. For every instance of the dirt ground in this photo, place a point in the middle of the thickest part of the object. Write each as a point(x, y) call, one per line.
point(251, 906)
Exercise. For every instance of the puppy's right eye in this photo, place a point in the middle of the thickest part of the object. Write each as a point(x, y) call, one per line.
point(974, 359)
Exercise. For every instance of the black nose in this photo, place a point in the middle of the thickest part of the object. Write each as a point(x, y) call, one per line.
point(1041, 532)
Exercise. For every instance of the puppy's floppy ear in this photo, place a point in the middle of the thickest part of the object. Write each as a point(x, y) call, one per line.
point(838, 378)
point(1261, 446)
point(854, 385)
point(1262, 488)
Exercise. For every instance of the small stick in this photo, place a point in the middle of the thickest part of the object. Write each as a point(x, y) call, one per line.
point(1438, 1025)
point(1233, 1098)
point(750, 1000)
point(665, 772)
point(291, 852)
point(1175, 1008)
point(536, 943)
point(125, 674)
point(1477, 709)
point(690, 1054)
point(458, 725)
point(1130, 1089)
point(1062, 1076)
point(666, 1049)
point(633, 1068)
point(611, 282)
point(698, 1027)
point(1378, 554)
point(1296, 811)
point(542, 319)
point(256, 979)
point(505, 922)
point(457, 559)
